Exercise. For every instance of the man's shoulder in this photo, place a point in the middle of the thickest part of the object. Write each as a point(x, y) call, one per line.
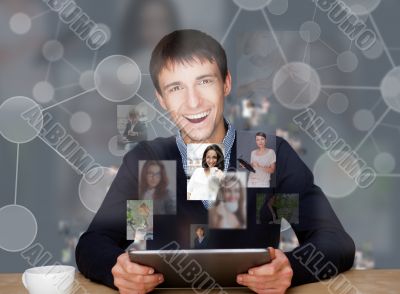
point(279, 141)
point(158, 148)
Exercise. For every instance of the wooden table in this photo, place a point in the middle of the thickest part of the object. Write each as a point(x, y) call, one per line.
point(368, 281)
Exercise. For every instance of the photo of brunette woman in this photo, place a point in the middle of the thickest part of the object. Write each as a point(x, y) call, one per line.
point(229, 210)
point(205, 180)
point(154, 185)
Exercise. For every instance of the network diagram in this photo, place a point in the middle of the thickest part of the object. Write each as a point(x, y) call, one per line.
point(117, 78)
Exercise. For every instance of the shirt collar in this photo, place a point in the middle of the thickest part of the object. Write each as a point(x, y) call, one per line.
point(227, 142)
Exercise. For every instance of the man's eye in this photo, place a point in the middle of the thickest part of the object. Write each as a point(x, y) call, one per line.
point(174, 89)
point(206, 81)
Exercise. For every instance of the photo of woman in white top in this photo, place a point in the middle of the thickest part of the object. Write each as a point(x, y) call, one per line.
point(204, 182)
point(263, 161)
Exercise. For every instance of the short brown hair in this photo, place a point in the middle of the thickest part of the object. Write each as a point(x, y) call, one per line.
point(261, 134)
point(184, 46)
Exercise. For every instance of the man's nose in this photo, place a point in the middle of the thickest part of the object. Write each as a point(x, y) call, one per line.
point(194, 98)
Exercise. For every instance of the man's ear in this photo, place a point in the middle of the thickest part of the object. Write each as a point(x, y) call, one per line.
point(160, 100)
point(227, 84)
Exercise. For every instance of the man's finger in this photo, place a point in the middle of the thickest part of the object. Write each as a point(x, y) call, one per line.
point(134, 268)
point(278, 260)
point(245, 278)
point(271, 251)
point(145, 279)
point(267, 269)
point(138, 283)
point(127, 286)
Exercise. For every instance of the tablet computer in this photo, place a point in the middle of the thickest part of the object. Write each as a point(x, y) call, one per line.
point(200, 269)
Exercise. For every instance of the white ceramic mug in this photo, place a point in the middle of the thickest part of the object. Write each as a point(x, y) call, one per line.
point(52, 279)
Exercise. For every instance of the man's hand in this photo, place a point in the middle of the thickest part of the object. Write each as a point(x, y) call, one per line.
point(132, 278)
point(271, 278)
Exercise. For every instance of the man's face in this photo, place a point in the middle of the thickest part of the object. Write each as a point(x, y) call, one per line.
point(200, 232)
point(193, 93)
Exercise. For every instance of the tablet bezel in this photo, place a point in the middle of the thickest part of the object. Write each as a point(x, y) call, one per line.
point(226, 277)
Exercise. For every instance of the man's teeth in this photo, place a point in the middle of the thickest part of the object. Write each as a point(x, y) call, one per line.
point(197, 116)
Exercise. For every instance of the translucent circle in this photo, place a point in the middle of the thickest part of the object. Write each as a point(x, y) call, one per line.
point(310, 31)
point(94, 185)
point(117, 78)
point(384, 162)
point(21, 119)
point(338, 103)
point(86, 80)
point(80, 122)
point(20, 23)
point(347, 61)
point(296, 85)
point(390, 89)
point(146, 111)
point(18, 228)
point(332, 178)
point(375, 51)
point(278, 7)
point(126, 73)
point(53, 50)
point(362, 7)
point(114, 147)
point(363, 119)
point(252, 5)
point(359, 10)
point(43, 92)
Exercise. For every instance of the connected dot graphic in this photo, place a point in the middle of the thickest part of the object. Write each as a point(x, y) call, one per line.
point(94, 185)
point(23, 221)
point(20, 23)
point(117, 78)
point(43, 92)
point(328, 173)
point(296, 85)
point(80, 122)
point(21, 119)
point(53, 50)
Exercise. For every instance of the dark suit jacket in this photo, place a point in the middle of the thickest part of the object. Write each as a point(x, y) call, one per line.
point(202, 245)
point(105, 239)
point(139, 127)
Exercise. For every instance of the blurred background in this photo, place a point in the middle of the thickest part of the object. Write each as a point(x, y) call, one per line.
point(44, 200)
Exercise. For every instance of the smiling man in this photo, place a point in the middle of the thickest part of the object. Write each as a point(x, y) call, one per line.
point(191, 78)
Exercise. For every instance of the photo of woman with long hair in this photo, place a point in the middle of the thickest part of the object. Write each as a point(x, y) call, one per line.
point(204, 182)
point(229, 211)
point(154, 186)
